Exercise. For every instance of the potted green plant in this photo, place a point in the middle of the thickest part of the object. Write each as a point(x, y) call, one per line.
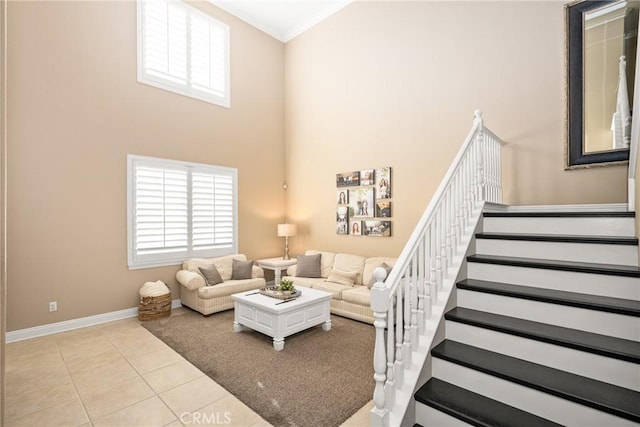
point(286, 287)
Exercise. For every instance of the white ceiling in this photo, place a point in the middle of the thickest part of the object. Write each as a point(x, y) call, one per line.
point(282, 19)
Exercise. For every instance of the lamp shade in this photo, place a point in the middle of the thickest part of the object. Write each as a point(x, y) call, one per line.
point(286, 230)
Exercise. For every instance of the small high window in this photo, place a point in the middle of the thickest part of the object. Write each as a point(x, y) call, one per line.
point(183, 50)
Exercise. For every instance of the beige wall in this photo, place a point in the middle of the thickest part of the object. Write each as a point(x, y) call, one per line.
point(75, 110)
point(3, 202)
point(396, 83)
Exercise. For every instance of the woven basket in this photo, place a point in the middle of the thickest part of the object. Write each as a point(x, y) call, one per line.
point(154, 307)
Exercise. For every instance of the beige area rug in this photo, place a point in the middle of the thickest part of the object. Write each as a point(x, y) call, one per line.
point(320, 379)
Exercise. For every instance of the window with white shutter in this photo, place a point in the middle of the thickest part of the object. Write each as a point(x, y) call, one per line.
point(183, 50)
point(179, 210)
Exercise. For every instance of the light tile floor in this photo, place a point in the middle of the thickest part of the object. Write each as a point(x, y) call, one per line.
point(117, 374)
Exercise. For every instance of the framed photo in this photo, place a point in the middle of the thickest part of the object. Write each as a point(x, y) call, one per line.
point(383, 208)
point(366, 177)
point(361, 202)
point(383, 183)
point(355, 228)
point(342, 220)
point(348, 179)
point(376, 228)
point(342, 197)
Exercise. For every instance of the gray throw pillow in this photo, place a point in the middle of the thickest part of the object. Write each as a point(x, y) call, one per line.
point(373, 278)
point(309, 266)
point(211, 275)
point(241, 269)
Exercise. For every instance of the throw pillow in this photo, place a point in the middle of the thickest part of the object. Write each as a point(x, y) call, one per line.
point(308, 266)
point(342, 277)
point(241, 269)
point(211, 275)
point(373, 278)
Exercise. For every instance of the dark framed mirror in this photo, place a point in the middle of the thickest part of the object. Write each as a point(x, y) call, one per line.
point(601, 43)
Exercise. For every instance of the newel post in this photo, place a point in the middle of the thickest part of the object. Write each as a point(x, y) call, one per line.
point(380, 306)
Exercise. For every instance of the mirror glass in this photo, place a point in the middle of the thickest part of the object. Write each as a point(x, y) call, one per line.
point(602, 40)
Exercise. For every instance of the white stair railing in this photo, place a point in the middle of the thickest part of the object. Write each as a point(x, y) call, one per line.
point(408, 305)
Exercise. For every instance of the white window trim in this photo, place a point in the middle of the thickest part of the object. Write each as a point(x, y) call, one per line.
point(159, 260)
point(167, 85)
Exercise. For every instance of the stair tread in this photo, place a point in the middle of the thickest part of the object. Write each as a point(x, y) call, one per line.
point(575, 299)
point(474, 408)
point(564, 238)
point(604, 345)
point(531, 214)
point(599, 395)
point(550, 264)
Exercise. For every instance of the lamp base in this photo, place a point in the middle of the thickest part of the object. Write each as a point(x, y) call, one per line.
point(286, 248)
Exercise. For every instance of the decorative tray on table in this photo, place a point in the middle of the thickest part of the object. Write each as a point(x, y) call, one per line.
point(273, 292)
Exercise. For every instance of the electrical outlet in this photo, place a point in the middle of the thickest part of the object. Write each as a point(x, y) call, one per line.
point(53, 306)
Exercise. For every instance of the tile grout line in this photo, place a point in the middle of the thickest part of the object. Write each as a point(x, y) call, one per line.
point(75, 387)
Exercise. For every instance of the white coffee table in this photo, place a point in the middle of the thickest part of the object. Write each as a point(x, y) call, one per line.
point(278, 320)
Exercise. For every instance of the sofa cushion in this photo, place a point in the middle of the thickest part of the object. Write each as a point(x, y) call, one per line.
point(241, 269)
point(309, 265)
point(370, 264)
point(342, 277)
point(326, 261)
point(348, 262)
point(230, 287)
point(211, 275)
point(224, 264)
point(360, 295)
point(333, 288)
point(372, 281)
point(307, 282)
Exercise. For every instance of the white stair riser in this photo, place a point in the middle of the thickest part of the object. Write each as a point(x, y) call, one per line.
point(601, 368)
point(580, 226)
point(428, 416)
point(587, 283)
point(599, 322)
point(527, 399)
point(582, 252)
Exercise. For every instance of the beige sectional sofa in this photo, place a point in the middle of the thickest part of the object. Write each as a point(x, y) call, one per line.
point(353, 301)
point(210, 299)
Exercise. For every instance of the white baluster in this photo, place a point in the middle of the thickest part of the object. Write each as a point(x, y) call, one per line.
point(407, 319)
point(499, 174)
point(433, 275)
point(399, 331)
point(391, 349)
point(444, 262)
point(380, 307)
point(437, 239)
point(453, 206)
point(414, 303)
point(422, 278)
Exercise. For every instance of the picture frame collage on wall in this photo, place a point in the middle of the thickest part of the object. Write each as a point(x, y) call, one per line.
point(364, 202)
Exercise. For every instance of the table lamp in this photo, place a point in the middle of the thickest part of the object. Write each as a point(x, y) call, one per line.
point(286, 231)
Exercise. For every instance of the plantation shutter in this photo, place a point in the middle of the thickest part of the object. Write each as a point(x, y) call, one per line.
point(208, 57)
point(161, 207)
point(212, 207)
point(183, 50)
point(179, 210)
point(165, 40)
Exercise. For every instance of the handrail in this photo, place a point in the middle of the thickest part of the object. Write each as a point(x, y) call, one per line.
point(415, 291)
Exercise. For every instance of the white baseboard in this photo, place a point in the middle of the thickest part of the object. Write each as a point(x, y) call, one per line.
point(68, 325)
point(604, 207)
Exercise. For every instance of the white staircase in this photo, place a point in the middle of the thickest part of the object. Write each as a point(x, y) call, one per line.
point(545, 327)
